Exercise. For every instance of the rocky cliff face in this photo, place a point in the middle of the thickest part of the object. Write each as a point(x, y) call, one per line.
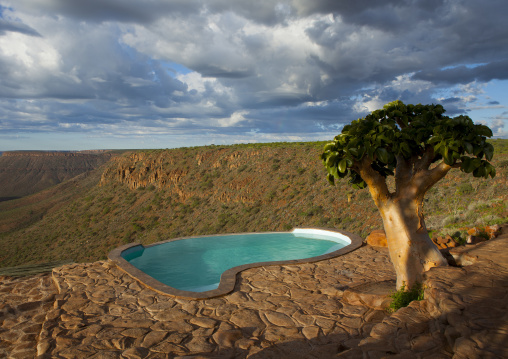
point(192, 176)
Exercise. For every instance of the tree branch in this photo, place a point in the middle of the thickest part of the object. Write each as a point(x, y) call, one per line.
point(377, 183)
point(426, 159)
point(402, 173)
point(425, 179)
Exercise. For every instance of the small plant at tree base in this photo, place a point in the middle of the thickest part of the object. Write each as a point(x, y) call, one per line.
point(402, 297)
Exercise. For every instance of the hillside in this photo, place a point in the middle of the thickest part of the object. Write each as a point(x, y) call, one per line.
point(27, 172)
point(149, 196)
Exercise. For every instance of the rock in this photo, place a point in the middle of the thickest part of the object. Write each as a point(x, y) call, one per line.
point(373, 295)
point(493, 230)
point(377, 238)
point(28, 306)
point(245, 344)
point(153, 337)
point(43, 347)
point(354, 310)
point(227, 338)
point(203, 322)
point(473, 231)
point(354, 323)
point(200, 345)
point(135, 353)
point(160, 307)
point(134, 332)
point(176, 315)
point(451, 244)
point(248, 320)
point(474, 239)
point(278, 334)
point(375, 316)
point(128, 323)
point(443, 240)
point(423, 343)
point(166, 347)
point(279, 319)
point(310, 332)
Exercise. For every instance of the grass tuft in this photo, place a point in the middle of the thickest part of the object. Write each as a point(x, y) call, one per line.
point(402, 298)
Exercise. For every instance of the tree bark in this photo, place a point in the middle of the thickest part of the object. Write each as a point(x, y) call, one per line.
point(411, 249)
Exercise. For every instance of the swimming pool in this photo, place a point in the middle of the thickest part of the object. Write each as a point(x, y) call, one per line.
point(206, 266)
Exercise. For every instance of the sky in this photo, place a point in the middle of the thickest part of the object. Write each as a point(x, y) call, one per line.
point(104, 74)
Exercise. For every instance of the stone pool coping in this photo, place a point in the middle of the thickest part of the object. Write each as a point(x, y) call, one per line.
point(228, 277)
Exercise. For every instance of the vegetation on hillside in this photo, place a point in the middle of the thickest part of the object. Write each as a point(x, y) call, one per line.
point(252, 188)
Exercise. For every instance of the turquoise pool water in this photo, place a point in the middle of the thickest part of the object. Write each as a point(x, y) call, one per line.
point(196, 264)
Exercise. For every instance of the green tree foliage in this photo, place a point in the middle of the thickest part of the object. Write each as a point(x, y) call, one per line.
point(411, 132)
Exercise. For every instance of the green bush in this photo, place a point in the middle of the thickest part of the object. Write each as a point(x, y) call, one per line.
point(460, 237)
point(465, 188)
point(402, 298)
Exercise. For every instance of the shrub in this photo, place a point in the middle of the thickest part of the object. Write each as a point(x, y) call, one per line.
point(242, 168)
point(402, 298)
point(465, 188)
point(287, 227)
point(137, 227)
point(460, 237)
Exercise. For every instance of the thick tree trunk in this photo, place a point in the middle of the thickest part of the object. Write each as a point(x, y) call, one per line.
point(411, 249)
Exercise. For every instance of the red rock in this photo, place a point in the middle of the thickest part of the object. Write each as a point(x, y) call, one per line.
point(473, 231)
point(441, 240)
point(493, 231)
point(377, 238)
point(451, 244)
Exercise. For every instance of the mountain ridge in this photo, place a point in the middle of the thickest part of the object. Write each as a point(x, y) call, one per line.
point(27, 172)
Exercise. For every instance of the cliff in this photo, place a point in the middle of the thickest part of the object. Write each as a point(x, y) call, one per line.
point(26, 172)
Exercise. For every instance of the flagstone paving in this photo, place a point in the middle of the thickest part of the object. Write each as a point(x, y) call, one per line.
point(95, 310)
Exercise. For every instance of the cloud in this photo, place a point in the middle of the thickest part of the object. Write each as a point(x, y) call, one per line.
point(238, 68)
point(466, 74)
point(97, 11)
point(12, 26)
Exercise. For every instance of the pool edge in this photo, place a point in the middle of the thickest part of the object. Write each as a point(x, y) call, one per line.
point(228, 278)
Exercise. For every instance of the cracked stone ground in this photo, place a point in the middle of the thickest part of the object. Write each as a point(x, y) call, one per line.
point(95, 310)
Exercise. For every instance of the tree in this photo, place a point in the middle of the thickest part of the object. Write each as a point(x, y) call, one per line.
point(417, 145)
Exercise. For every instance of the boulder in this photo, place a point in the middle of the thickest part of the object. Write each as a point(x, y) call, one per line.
point(473, 231)
point(377, 238)
point(439, 242)
point(475, 239)
point(451, 244)
point(493, 231)
point(442, 240)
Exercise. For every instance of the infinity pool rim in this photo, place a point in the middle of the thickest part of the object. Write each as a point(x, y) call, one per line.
point(228, 277)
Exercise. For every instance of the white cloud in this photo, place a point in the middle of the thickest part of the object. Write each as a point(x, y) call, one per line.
point(235, 119)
